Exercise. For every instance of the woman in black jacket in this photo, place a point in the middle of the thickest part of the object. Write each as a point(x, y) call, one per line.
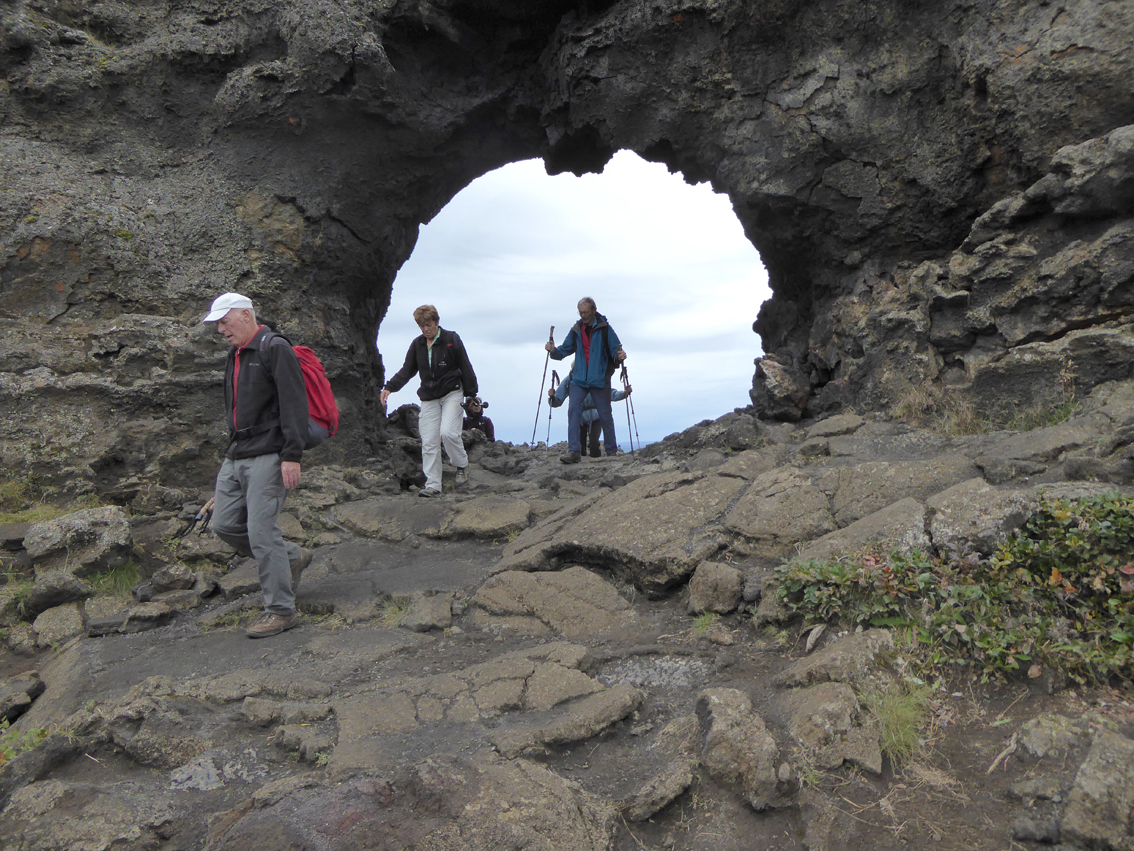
point(439, 357)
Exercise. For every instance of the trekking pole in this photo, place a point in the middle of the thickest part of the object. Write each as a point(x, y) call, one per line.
point(554, 384)
point(629, 411)
point(546, 360)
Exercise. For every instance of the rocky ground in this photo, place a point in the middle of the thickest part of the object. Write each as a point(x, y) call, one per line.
point(555, 657)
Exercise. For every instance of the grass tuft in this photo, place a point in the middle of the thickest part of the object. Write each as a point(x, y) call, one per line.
point(117, 582)
point(704, 622)
point(393, 610)
point(902, 712)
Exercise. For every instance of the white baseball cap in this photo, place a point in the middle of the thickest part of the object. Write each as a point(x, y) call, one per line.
point(222, 304)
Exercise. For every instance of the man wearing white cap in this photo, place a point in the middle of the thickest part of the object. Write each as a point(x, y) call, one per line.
point(266, 409)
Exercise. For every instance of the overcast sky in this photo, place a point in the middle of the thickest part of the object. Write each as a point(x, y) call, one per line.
point(667, 263)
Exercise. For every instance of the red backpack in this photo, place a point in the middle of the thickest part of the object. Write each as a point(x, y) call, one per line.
point(321, 407)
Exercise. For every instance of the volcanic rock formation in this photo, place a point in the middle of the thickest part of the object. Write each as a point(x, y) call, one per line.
point(942, 193)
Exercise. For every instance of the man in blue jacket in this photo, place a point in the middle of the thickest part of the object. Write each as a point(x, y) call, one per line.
point(266, 408)
point(590, 430)
point(597, 354)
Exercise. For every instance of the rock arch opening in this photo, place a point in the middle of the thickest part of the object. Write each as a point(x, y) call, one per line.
point(937, 204)
point(666, 261)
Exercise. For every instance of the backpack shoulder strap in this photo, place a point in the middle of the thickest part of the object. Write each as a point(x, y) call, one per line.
point(265, 342)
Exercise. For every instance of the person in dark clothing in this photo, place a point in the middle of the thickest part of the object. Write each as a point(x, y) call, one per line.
point(590, 430)
point(597, 354)
point(475, 418)
point(439, 357)
point(266, 408)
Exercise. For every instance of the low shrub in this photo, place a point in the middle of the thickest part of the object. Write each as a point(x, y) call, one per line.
point(13, 743)
point(1058, 593)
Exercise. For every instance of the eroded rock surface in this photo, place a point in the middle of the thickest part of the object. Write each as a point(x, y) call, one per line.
point(643, 696)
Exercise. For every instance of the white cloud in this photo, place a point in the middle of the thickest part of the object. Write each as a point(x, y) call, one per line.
point(667, 263)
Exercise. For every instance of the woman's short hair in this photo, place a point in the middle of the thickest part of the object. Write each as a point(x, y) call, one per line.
point(425, 313)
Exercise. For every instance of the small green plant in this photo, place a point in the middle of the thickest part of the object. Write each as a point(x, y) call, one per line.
point(118, 581)
point(18, 492)
point(393, 610)
point(13, 743)
point(20, 589)
point(124, 234)
point(1040, 415)
point(228, 619)
point(778, 637)
point(902, 713)
point(704, 622)
point(805, 763)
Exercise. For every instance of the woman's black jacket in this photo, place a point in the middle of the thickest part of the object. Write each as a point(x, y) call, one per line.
point(450, 371)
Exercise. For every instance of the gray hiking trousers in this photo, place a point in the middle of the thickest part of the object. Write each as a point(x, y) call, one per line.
point(250, 495)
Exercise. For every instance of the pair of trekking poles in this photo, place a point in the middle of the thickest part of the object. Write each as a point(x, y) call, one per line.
point(623, 377)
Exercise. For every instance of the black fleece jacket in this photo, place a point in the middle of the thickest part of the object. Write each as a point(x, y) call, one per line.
point(271, 404)
point(450, 371)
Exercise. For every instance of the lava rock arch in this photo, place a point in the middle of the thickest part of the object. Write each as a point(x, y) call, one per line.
point(941, 192)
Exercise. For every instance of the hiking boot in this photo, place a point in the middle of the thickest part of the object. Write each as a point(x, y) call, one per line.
point(462, 476)
point(297, 569)
point(270, 624)
point(429, 492)
point(571, 457)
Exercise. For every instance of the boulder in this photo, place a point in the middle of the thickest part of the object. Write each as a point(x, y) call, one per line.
point(17, 694)
point(737, 749)
point(576, 603)
point(83, 543)
point(1100, 808)
point(859, 490)
point(428, 611)
point(57, 814)
point(976, 516)
point(489, 517)
point(897, 526)
point(715, 587)
point(58, 625)
point(781, 508)
point(395, 518)
point(54, 588)
point(825, 721)
point(847, 660)
point(652, 532)
point(577, 721)
point(456, 803)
